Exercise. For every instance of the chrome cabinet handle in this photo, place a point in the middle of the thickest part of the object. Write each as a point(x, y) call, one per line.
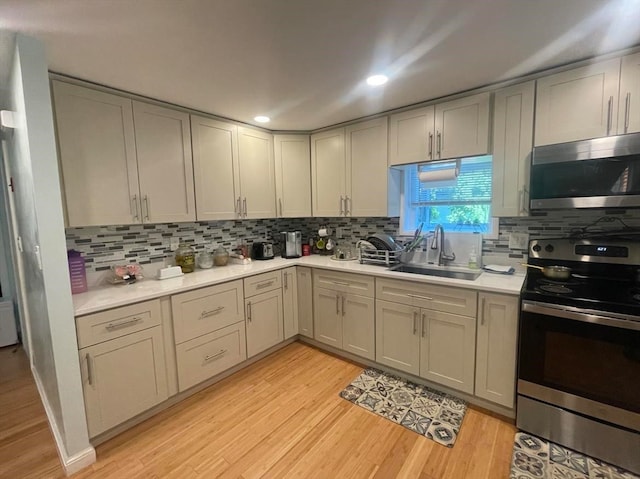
point(212, 312)
point(340, 283)
point(124, 324)
point(89, 370)
point(244, 202)
point(627, 108)
point(415, 317)
point(264, 284)
point(249, 311)
point(238, 207)
point(482, 312)
point(430, 145)
point(134, 208)
point(146, 204)
point(341, 206)
point(286, 283)
point(211, 357)
point(280, 203)
point(343, 306)
point(609, 113)
point(347, 206)
point(419, 297)
point(337, 304)
point(424, 323)
point(439, 150)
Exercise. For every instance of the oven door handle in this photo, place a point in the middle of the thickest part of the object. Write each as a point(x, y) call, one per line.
point(580, 316)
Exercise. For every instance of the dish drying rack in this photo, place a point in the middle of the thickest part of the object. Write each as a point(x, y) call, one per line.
point(378, 256)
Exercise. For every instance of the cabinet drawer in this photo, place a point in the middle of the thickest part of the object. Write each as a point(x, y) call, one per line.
point(344, 282)
point(438, 298)
point(211, 354)
point(205, 310)
point(99, 327)
point(261, 283)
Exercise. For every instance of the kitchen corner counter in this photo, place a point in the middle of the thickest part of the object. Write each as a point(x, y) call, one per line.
point(112, 296)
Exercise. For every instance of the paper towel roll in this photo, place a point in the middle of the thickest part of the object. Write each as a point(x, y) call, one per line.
point(322, 232)
point(438, 175)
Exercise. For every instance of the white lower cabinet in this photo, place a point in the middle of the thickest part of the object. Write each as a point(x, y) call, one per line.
point(290, 301)
point(397, 337)
point(122, 378)
point(327, 320)
point(496, 351)
point(264, 321)
point(305, 301)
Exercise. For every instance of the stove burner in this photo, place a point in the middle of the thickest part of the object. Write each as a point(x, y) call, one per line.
point(556, 289)
point(558, 283)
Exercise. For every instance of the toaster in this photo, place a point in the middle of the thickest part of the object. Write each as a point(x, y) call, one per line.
point(262, 250)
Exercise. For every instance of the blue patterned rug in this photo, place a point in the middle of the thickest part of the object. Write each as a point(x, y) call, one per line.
point(535, 458)
point(426, 411)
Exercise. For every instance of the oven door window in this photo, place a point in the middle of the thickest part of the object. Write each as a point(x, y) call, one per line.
point(597, 362)
point(574, 179)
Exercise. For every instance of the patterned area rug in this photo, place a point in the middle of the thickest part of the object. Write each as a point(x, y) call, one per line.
point(535, 458)
point(426, 411)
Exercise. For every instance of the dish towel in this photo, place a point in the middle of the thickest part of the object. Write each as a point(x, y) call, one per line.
point(499, 269)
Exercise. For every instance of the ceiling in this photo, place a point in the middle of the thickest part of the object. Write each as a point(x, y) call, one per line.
point(303, 62)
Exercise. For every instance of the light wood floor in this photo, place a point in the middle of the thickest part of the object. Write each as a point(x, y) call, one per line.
point(281, 417)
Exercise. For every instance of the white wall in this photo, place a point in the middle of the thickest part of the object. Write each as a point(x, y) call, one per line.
point(33, 163)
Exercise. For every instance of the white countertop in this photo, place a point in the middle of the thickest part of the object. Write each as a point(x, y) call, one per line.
point(113, 296)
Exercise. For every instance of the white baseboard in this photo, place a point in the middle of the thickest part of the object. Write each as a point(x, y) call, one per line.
point(70, 464)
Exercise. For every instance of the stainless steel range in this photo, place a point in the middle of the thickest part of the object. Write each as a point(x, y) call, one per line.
point(579, 349)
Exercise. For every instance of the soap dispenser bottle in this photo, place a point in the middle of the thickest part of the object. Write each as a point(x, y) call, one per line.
point(473, 258)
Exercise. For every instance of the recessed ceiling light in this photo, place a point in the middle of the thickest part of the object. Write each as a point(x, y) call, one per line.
point(262, 119)
point(377, 80)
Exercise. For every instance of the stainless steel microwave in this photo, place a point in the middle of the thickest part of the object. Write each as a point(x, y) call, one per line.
point(598, 173)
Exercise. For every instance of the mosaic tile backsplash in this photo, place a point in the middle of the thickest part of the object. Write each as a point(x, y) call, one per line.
point(103, 246)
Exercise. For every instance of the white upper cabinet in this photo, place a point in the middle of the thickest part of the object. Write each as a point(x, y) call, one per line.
point(578, 104)
point(97, 155)
point(215, 163)
point(328, 173)
point(293, 175)
point(451, 129)
point(163, 145)
point(257, 173)
point(629, 103)
point(366, 168)
point(512, 145)
point(123, 162)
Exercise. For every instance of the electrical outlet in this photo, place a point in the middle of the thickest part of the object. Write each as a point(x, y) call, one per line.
point(519, 241)
point(339, 233)
point(174, 243)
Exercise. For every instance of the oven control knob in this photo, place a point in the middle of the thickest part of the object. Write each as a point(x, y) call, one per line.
point(549, 248)
point(536, 248)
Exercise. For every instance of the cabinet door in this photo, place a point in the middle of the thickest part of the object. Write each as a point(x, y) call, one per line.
point(264, 321)
point(629, 104)
point(122, 378)
point(257, 173)
point(97, 156)
point(305, 301)
point(447, 349)
point(165, 165)
point(411, 136)
point(327, 321)
point(512, 144)
point(290, 302)
point(328, 176)
point(496, 351)
point(358, 325)
point(293, 175)
point(577, 104)
point(366, 148)
point(462, 127)
point(397, 336)
point(216, 170)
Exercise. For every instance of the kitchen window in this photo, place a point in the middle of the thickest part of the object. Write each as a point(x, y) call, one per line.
point(453, 193)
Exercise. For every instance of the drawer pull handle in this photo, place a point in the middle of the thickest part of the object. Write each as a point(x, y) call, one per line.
point(424, 322)
point(89, 370)
point(415, 317)
point(212, 357)
point(341, 283)
point(124, 324)
point(343, 306)
point(482, 312)
point(264, 285)
point(249, 311)
point(213, 312)
point(420, 297)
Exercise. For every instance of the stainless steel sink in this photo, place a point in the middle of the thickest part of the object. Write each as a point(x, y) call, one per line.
point(433, 270)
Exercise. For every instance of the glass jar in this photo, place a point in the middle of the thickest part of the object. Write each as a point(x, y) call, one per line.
point(220, 257)
point(186, 258)
point(205, 260)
